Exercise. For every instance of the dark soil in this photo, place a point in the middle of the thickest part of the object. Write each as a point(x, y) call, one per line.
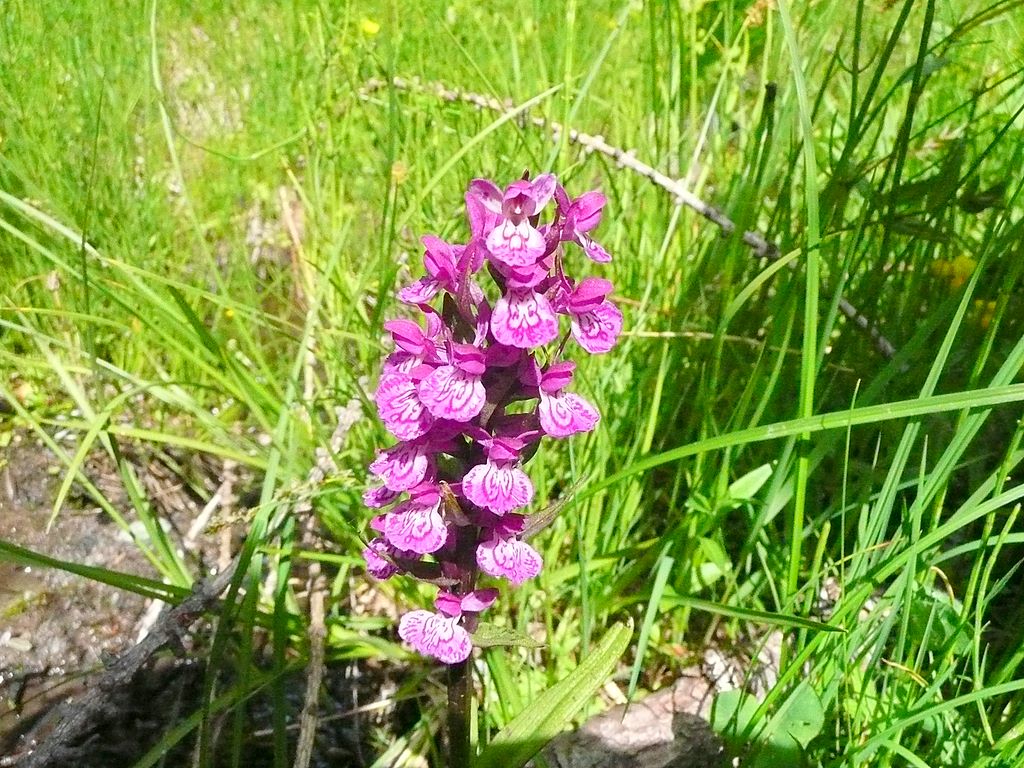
point(51, 620)
point(58, 632)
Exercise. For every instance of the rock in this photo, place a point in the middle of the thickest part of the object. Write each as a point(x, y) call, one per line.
point(667, 729)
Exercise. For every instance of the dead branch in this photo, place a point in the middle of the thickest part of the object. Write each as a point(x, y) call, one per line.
point(759, 245)
point(77, 716)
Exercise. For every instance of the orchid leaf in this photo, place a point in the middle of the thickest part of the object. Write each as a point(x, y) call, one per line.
point(527, 734)
point(491, 636)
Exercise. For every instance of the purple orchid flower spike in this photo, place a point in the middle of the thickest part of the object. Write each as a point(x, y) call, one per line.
point(452, 493)
point(580, 216)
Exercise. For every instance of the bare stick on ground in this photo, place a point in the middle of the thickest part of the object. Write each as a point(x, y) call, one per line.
point(79, 715)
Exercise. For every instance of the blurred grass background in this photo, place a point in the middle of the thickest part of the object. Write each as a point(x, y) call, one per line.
point(204, 211)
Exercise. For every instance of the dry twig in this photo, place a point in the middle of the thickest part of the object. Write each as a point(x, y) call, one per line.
point(79, 715)
point(316, 583)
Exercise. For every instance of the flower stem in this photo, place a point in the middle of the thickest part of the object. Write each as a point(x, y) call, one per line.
point(460, 676)
point(460, 682)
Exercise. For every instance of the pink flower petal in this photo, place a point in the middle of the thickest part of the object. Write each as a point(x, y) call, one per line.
point(476, 293)
point(408, 337)
point(486, 193)
point(543, 190)
point(448, 603)
point(497, 488)
point(524, 319)
point(586, 211)
point(400, 407)
point(511, 558)
point(439, 259)
point(481, 217)
point(523, 278)
point(593, 249)
point(416, 528)
point(402, 466)
point(479, 600)
point(420, 292)
point(515, 245)
point(378, 497)
point(449, 393)
point(469, 358)
point(376, 565)
point(472, 255)
point(588, 295)
point(557, 376)
point(435, 635)
point(399, 362)
point(502, 356)
point(505, 447)
point(566, 414)
point(598, 330)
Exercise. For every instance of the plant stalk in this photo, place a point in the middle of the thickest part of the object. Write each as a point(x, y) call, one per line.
point(460, 676)
point(460, 682)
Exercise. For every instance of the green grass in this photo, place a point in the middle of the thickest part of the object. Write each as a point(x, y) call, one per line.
point(203, 219)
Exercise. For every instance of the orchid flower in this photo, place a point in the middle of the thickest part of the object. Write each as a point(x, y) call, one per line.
point(452, 495)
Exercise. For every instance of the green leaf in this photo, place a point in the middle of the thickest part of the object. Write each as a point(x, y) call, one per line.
point(731, 714)
point(201, 331)
point(800, 718)
point(12, 553)
point(490, 636)
point(660, 582)
point(746, 487)
point(673, 598)
point(779, 741)
point(710, 563)
point(936, 620)
point(983, 397)
point(554, 709)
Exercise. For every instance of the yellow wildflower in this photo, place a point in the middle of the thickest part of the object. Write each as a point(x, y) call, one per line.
point(369, 27)
point(956, 271)
point(399, 172)
point(961, 268)
point(984, 311)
